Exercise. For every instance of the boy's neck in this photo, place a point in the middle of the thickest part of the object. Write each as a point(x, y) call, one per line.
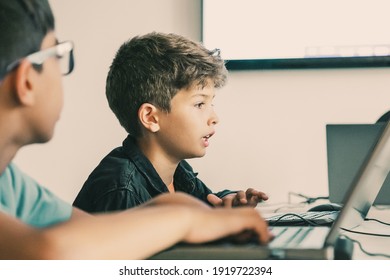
point(162, 163)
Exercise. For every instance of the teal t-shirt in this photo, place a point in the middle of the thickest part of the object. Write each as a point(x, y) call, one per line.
point(23, 198)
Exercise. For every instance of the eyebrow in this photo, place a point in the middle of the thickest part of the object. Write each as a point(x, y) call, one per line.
point(202, 95)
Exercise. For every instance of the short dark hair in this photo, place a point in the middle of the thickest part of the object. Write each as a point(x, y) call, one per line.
point(153, 68)
point(23, 25)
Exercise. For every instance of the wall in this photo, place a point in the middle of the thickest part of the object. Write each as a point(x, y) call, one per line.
point(271, 134)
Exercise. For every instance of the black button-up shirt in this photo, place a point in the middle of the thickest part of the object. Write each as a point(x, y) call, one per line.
point(125, 178)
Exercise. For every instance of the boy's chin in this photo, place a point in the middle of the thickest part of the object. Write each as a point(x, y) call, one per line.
point(196, 155)
point(202, 154)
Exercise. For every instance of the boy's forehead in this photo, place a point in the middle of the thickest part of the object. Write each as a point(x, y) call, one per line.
point(196, 90)
point(205, 91)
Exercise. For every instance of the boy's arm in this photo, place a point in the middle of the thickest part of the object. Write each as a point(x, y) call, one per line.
point(225, 198)
point(133, 234)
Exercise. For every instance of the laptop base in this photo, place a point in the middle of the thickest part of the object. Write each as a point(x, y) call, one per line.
point(227, 251)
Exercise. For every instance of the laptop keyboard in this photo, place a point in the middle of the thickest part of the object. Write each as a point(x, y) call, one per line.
point(321, 218)
point(289, 237)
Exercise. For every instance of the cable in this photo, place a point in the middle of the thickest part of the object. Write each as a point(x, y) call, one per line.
point(366, 233)
point(311, 223)
point(289, 204)
point(364, 251)
point(376, 220)
point(308, 200)
point(347, 237)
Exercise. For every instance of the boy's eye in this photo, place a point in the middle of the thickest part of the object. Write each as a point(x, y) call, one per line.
point(199, 105)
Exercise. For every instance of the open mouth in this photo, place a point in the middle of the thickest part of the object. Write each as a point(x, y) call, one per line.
point(206, 139)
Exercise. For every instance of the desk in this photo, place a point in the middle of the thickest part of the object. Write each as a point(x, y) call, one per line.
point(251, 251)
point(371, 244)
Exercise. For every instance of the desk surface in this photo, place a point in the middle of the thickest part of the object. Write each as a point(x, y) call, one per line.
point(370, 243)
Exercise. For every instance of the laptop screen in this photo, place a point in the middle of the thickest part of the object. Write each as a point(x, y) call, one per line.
point(348, 146)
point(365, 185)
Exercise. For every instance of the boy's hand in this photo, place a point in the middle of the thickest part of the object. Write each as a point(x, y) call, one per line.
point(249, 198)
point(239, 225)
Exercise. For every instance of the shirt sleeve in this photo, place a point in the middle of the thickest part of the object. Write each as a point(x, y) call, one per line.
point(22, 197)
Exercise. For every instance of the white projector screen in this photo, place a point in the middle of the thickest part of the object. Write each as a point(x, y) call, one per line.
point(298, 33)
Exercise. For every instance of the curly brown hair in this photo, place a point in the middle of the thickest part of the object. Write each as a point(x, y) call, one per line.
point(153, 68)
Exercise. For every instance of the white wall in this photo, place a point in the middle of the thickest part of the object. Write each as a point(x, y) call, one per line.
point(271, 133)
point(272, 129)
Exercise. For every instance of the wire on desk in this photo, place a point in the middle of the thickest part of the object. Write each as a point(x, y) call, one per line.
point(311, 223)
point(308, 199)
point(376, 220)
point(366, 233)
point(364, 251)
point(289, 204)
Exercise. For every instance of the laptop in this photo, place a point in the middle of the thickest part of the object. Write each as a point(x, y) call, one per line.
point(348, 145)
point(307, 242)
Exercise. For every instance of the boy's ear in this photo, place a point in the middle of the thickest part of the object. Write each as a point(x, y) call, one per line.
point(24, 83)
point(147, 115)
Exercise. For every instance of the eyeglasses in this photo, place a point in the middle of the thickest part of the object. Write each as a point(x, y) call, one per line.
point(62, 51)
point(215, 52)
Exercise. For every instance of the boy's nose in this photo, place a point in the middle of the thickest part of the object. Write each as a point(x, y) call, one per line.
point(213, 119)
